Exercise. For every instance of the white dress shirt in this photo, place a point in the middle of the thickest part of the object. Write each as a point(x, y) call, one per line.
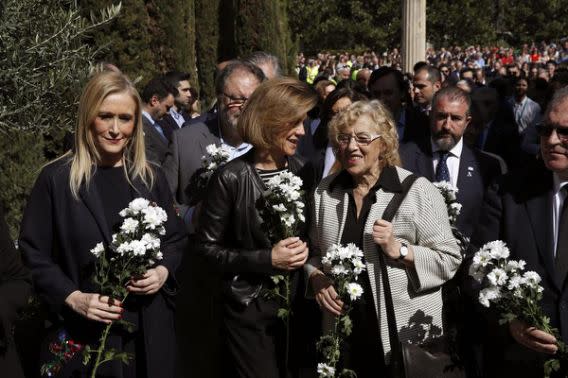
point(453, 160)
point(557, 202)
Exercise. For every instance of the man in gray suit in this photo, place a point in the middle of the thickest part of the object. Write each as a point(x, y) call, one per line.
point(158, 97)
point(233, 87)
point(198, 309)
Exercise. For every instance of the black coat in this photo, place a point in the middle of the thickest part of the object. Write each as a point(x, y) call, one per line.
point(15, 288)
point(156, 144)
point(476, 172)
point(57, 234)
point(230, 233)
point(518, 210)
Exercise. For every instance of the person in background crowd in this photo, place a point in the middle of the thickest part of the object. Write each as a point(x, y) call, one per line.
point(418, 245)
point(525, 110)
point(363, 76)
point(268, 63)
point(158, 98)
point(15, 288)
point(180, 111)
point(74, 205)
point(427, 82)
point(230, 236)
point(195, 104)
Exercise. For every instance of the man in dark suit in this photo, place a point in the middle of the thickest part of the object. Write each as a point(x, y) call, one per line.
point(388, 86)
point(467, 169)
point(445, 157)
point(180, 112)
point(527, 209)
point(158, 97)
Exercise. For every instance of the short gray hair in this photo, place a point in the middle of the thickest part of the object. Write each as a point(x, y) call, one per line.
point(259, 58)
point(558, 98)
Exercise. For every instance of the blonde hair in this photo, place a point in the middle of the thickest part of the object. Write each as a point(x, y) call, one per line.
point(276, 106)
point(381, 122)
point(85, 155)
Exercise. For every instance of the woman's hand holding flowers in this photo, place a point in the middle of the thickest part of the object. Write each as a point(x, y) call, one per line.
point(533, 338)
point(95, 306)
point(326, 296)
point(150, 282)
point(289, 254)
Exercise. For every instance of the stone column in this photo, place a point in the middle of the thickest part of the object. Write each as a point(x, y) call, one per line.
point(413, 33)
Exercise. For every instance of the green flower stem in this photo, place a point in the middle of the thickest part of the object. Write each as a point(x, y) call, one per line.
point(102, 344)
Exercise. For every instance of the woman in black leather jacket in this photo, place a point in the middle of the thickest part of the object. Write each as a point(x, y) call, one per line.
point(230, 233)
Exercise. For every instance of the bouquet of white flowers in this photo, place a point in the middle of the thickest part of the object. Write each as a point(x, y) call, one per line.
point(515, 293)
point(133, 250)
point(449, 192)
point(344, 264)
point(215, 158)
point(282, 212)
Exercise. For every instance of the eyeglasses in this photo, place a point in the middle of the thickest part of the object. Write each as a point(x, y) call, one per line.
point(235, 101)
point(360, 139)
point(545, 130)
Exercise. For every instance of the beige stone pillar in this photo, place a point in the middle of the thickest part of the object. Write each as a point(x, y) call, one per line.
point(413, 33)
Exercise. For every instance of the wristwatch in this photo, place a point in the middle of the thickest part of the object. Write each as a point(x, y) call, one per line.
point(403, 251)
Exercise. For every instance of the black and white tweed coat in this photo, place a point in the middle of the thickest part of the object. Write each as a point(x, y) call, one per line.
point(422, 222)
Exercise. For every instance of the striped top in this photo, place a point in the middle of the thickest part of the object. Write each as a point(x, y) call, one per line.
point(266, 175)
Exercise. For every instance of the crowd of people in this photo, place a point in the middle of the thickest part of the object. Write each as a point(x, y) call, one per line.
point(368, 142)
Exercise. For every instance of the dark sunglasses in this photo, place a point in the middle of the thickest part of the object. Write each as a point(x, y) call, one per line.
point(545, 130)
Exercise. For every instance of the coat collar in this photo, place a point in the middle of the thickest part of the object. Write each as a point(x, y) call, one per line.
point(388, 181)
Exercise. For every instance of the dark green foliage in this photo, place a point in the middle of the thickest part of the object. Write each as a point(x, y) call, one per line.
point(44, 66)
point(129, 38)
point(345, 25)
point(206, 44)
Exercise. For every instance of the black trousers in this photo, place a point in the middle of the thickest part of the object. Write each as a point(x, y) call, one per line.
point(255, 340)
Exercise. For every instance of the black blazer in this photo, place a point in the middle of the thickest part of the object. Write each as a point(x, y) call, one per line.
point(477, 170)
point(156, 144)
point(57, 233)
point(518, 210)
point(15, 288)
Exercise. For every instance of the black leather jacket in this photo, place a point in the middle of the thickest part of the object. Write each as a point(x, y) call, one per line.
point(230, 235)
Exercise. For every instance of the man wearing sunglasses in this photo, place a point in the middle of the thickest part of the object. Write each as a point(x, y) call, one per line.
point(528, 210)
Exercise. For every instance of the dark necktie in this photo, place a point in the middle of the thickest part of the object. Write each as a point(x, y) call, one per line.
point(562, 244)
point(442, 172)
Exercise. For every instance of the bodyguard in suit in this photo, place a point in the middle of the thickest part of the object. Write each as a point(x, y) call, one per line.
point(158, 98)
point(445, 156)
point(388, 86)
point(527, 210)
point(180, 112)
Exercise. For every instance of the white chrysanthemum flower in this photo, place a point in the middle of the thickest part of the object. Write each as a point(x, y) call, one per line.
point(497, 277)
point(151, 242)
point(482, 258)
point(114, 238)
point(123, 213)
point(98, 249)
point(532, 279)
point(159, 256)
point(301, 217)
point(211, 149)
point(123, 248)
point(289, 219)
point(488, 295)
point(497, 249)
point(138, 205)
point(515, 282)
point(138, 247)
point(280, 208)
point(129, 225)
point(358, 266)
point(154, 216)
point(345, 253)
point(339, 269)
point(300, 205)
point(326, 371)
point(355, 290)
point(514, 266)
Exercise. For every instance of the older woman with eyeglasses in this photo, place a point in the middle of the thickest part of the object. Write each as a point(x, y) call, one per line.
point(421, 253)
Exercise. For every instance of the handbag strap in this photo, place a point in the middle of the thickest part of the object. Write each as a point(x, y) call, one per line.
point(388, 215)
